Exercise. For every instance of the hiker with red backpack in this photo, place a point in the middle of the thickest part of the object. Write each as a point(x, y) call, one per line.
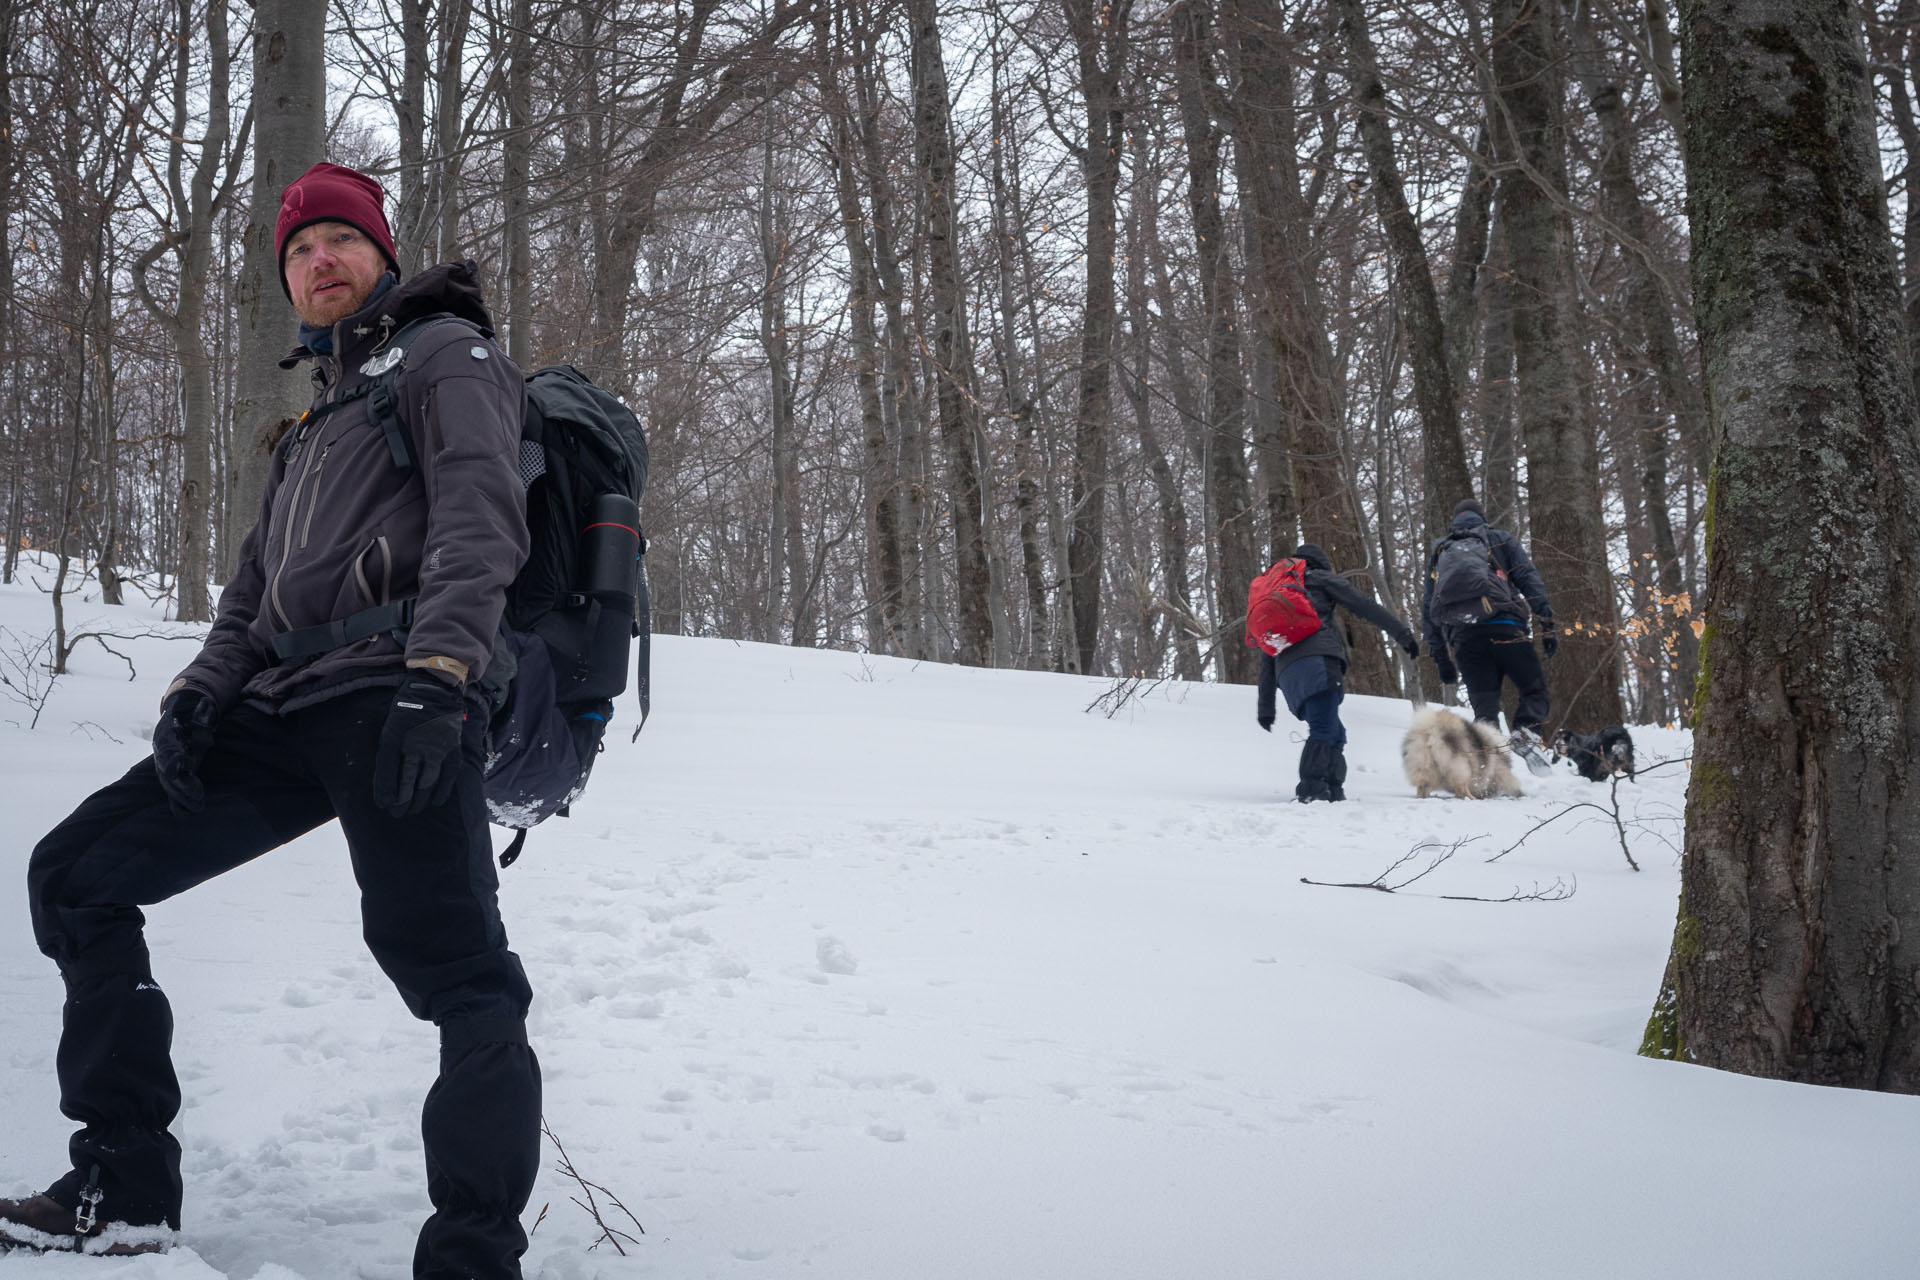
point(1290, 619)
point(1481, 591)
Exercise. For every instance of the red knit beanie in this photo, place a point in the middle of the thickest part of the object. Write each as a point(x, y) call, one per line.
point(331, 193)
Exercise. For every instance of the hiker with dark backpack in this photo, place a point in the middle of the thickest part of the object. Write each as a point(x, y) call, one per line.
point(385, 619)
point(1303, 654)
point(1481, 591)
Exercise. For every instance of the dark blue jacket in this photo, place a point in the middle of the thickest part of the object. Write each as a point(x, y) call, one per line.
point(1512, 560)
point(1327, 590)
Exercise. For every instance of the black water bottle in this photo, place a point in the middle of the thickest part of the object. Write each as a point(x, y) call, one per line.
point(610, 551)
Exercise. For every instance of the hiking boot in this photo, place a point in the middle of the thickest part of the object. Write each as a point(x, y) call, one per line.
point(41, 1224)
point(1527, 745)
point(1315, 778)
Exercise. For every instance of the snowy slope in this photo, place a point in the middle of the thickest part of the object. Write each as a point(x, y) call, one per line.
point(860, 969)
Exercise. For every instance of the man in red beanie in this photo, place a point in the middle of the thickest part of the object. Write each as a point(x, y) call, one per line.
point(341, 680)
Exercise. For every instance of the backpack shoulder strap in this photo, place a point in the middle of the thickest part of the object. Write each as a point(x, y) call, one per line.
point(382, 404)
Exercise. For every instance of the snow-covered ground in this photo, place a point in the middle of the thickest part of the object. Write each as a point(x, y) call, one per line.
point(863, 969)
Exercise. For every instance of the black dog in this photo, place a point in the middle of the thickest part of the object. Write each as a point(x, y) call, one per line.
point(1598, 756)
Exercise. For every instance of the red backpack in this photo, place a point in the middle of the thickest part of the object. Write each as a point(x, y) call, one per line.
point(1278, 611)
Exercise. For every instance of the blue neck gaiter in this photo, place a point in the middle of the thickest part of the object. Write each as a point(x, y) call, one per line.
point(319, 340)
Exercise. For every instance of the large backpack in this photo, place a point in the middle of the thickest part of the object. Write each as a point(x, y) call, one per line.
point(575, 610)
point(1468, 584)
point(1279, 614)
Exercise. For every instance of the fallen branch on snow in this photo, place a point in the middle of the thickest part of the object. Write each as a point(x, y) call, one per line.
point(1559, 891)
point(608, 1234)
point(1611, 810)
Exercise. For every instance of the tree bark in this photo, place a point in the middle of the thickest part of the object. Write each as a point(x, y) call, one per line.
point(887, 626)
point(786, 543)
point(196, 202)
point(1233, 513)
point(289, 131)
point(1099, 31)
point(413, 223)
point(1797, 951)
point(900, 391)
point(1472, 225)
point(1443, 454)
point(1646, 293)
point(945, 336)
point(448, 122)
point(1272, 441)
point(517, 159)
point(1568, 538)
point(1500, 461)
point(1023, 401)
point(1329, 509)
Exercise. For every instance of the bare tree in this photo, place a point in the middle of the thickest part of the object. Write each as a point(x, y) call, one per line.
point(195, 200)
point(289, 130)
point(1568, 538)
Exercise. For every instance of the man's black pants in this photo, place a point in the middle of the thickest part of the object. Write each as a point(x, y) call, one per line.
point(430, 916)
point(1485, 655)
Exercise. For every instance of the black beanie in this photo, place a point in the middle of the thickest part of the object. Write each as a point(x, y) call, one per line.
point(1470, 504)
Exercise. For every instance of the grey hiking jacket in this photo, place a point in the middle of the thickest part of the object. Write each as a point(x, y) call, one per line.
point(342, 528)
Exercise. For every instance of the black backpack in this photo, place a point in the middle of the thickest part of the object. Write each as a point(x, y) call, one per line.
point(1468, 584)
point(574, 612)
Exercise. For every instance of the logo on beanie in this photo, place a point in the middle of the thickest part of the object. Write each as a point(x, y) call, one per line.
point(293, 199)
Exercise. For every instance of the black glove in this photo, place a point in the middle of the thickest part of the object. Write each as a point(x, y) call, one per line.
point(1266, 722)
point(1550, 642)
point(1449, 674)
point(1409, 645)
point(418, 762)
point(180, 741)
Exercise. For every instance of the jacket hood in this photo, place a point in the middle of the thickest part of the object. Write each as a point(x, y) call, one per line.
point(452, 288)
point(1314, 556)
point(1466, 521)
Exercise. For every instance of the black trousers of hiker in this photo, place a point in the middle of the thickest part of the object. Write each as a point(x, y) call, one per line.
point(1486, 655)
point(430, 917)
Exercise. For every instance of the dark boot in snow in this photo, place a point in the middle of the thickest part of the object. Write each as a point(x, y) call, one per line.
point(1337, 773)
point(41, 1224)
point(1315, 782)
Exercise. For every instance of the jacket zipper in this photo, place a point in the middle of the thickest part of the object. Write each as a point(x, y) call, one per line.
point(313, 497)
point(286, 534)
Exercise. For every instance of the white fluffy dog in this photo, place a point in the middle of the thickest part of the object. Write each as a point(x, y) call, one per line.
point(1443, 752)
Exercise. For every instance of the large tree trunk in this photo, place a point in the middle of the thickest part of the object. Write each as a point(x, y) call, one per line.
point(1797, 953)
point(900, 390)
point(1646, 294)
point(1329, 510)
point(1233, 512)
point(1099, 33)
point(1472, 223)
point(517, 159)
point(1174, 534)
point(946, 337)
point(13, 429)
point(879, 487)
point(413, 225)
point(1568, 538)
point(1023, 401)
point(1272, 441)
point(197, 201)
point(786, 543)
point(1499, 455)
point(289, 132)
point(1443, 453)
point(448, 123)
